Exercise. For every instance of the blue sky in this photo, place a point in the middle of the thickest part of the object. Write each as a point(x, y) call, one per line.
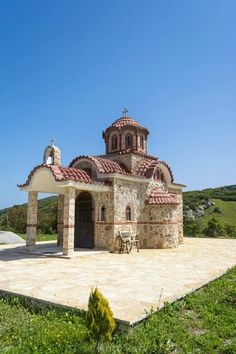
point(67, 69)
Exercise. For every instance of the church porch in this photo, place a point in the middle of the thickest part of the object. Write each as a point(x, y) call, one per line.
point(47, 179)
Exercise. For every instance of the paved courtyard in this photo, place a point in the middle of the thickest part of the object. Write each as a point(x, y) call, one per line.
point(132, 283)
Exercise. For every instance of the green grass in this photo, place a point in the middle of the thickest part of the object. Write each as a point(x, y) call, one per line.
point(229, 212)
point(41, 237)
point(203, 322)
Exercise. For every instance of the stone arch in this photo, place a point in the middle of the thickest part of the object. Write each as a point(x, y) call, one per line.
point(87, 166)
point(52, 155)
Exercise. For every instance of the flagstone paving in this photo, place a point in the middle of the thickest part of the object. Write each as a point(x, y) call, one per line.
point(132, 283)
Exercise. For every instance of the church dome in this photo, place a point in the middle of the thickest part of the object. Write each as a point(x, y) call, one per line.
point(123, 122)
point(125, 134)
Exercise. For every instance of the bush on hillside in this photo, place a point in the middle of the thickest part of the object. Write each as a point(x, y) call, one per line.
point(214, 228)
point(193, 228)
point(230, 230)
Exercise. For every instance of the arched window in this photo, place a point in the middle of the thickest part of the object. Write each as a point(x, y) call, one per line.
point(163, 177)
point(141, 142)
point(102, 214)
point(114, 142)
point(156, 174)
point(88, 171)
point(128, 141)
point(159, 175)
point(128, 213)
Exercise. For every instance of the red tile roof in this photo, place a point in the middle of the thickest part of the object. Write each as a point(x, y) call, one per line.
point(142, 166)
point(123, 122)
point(103, 165)
point(158, 196)
point(145, 167)
point(62, 174)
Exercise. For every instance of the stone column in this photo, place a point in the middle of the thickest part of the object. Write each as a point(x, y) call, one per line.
point(60, 220)
point(180, 218)
point(69, 217)
point(31, 227)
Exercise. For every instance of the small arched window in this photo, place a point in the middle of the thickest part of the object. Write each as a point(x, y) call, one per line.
point(159, 175)
point(114, 142)
point(163, 178)
point(102, 216)
point(128, 213)
point(141, 142)
point(156, 174)
point(88, 171)
point(128, 141)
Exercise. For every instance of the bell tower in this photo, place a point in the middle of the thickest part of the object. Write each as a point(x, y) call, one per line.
point(52, 154)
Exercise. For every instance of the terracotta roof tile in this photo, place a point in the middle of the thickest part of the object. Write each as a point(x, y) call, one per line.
point(123, 122)
point(158, 196)
point(103, 165)
point(62, 174)
point(145, 167)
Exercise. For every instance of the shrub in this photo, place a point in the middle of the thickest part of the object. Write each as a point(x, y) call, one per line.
point(230, 230)
point(214, 228)
point(99, 318)
point(193, 227)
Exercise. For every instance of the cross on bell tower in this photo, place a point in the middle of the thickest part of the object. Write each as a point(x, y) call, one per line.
point(53, 140)
point(124, 113)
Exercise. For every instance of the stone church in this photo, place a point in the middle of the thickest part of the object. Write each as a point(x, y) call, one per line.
point(99, 195)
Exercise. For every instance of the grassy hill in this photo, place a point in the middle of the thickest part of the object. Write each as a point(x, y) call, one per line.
point(228, 209)
point(223, 197)
point(14, 218)
point(218, 219)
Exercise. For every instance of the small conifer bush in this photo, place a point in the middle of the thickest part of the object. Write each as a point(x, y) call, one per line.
point(99, 318)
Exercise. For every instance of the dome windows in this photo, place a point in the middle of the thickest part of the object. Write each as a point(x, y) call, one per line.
point(125, 133)
point(141, 142)
point(114, 142)
point(128, 141)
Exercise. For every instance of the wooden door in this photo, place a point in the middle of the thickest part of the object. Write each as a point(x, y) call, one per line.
point(84, 229)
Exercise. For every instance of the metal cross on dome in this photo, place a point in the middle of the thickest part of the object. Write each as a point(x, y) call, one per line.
point(125, 111)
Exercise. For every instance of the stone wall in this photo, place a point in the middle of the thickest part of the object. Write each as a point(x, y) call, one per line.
point(157, 226)
point(129, 160)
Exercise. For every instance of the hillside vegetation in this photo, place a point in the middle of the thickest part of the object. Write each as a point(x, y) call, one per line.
point(221, 209)
point(227, 214)
point(210, 212)
point(194, 198)
point(14, 218)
